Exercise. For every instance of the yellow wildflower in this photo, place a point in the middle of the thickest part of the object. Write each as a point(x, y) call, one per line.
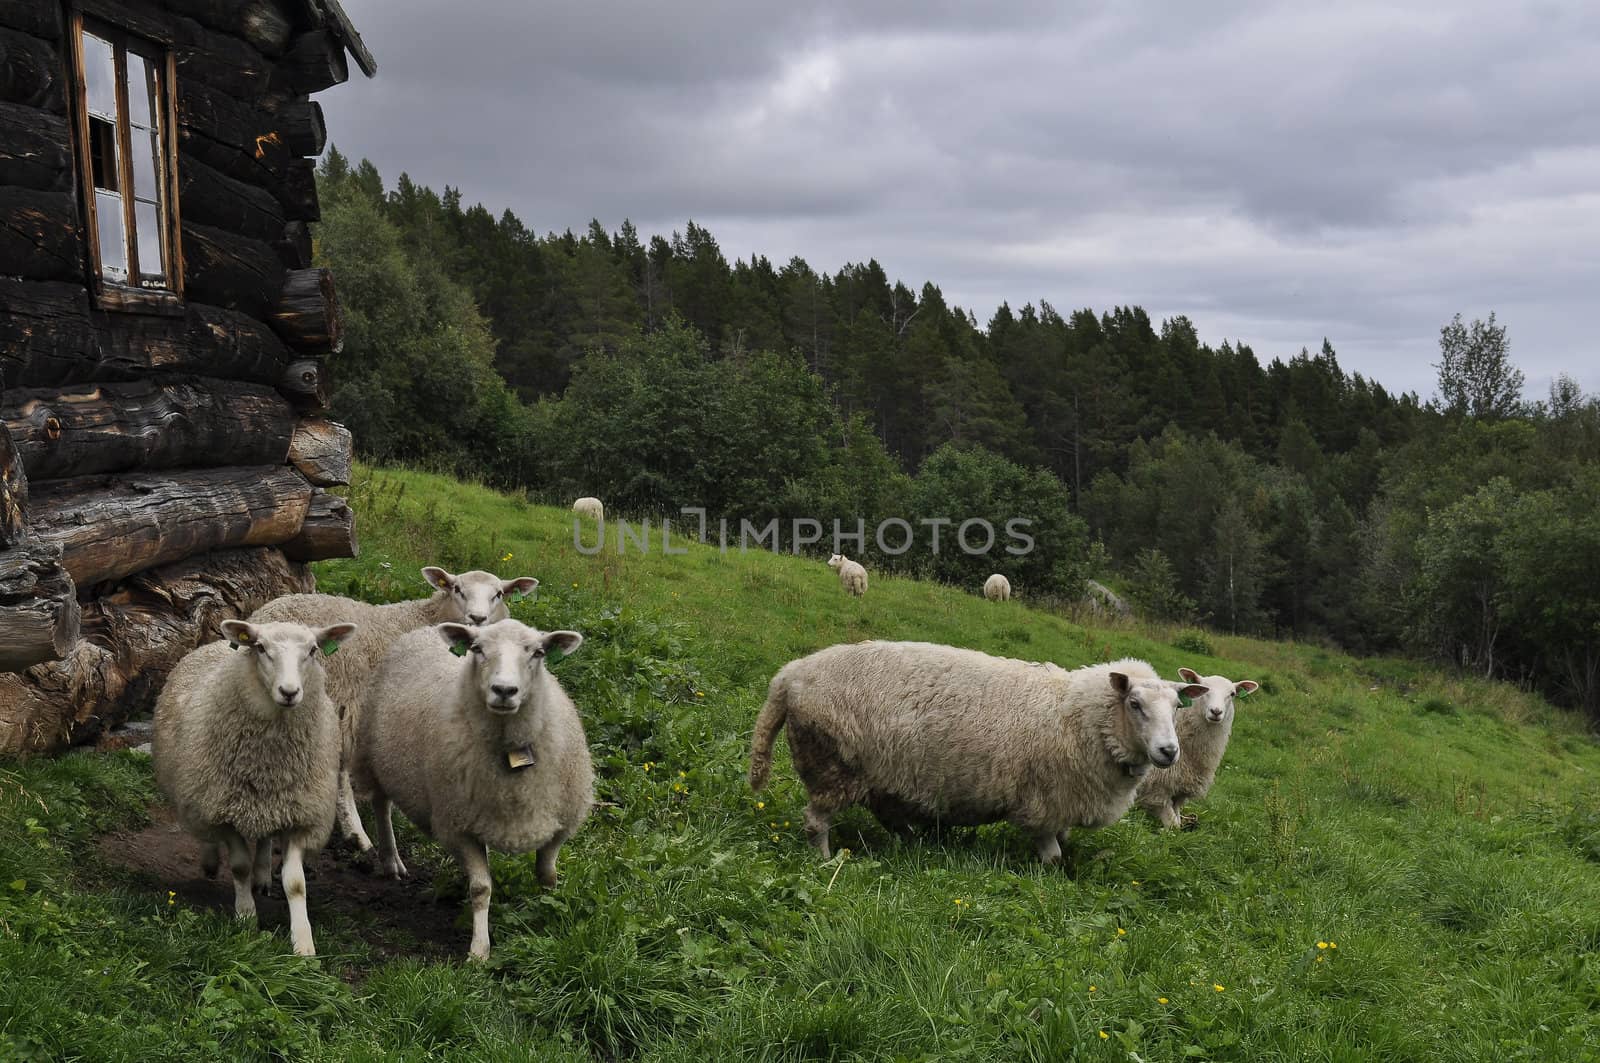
point(786, 823)
point(1219, 987)
point(1121, 932)
point(1333, 944)
point(1161, 1000)
point(1322, 944)
point(1092, 988)
point(1321, 958)
point(699, 693)
point(1104, 1036)
point(683, 775)
point(507, 557)
point(172, 898)
point(774, 837)
point(761, 804)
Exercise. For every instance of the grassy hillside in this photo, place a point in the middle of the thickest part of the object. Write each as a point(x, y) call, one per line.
point(1439, 837)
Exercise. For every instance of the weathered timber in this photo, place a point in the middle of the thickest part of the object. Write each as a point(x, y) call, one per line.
point(35, 148)
point(223, 62)
point(32, 17)
point(39, 614)
point(146, 424)
point(50, 336)
point(13, 491)
point(299, 196)
point(131, 638)
point(31, 72)
point(238, 139)
point(212, 198)
point(346, 30)
point(323, 451)
point(307, 312)
point(260, 23)
point(329, 530)
point(303, 129)
point(314, 61)
point(230, 271)
point(294, 246)
point(305, 385)
point(110, 527)
point(39, 234)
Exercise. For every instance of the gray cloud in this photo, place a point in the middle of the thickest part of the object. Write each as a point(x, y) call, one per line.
point(1278, 172)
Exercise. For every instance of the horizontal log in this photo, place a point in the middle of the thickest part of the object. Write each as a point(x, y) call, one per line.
point(39, 613)
point(233, 272)
point(39, 234)
point(110, 527)
point(329, 531)
point(302, 126)
point(258, 22)
point(305, 385)
point(238, 139)
point(307, 312)
point(294, 246)
point(32, 17)
point(50, 336)
point(323, 451)
point(35, 148)
point(146, 424)
point(209, 197)
point(31, 72)
point(314, 61)
point(225, 63)
point(13, 491)
point(299, 195)
point(132, 636)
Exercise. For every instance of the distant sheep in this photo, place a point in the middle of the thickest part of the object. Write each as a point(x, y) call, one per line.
point(247, 751)
point(482, 750)
point(852, 577)
point(474, 597)
point(1203, 730)
point(929, 732)
point(997, 588)
point(589, 507)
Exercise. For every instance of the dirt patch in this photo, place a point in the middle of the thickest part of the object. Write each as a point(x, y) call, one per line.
point(395, 919)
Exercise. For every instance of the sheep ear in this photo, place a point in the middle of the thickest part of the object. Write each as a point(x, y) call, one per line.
point(458, 637)
point(239, 633)
point(1119, 683)
point(1193, 690)
point(1189, 675)
point(330, 638)
point(1246, 686)
point(559, 644)
point(438, 578)
point(520, 588)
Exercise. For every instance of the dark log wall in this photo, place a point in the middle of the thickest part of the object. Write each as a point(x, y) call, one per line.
point(159, 470)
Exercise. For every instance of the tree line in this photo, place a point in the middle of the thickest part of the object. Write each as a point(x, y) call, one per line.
point(1290, 498)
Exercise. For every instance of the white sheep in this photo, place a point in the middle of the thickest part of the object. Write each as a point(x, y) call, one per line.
point(247, 751)
point(482, 750)
point(852, 577)
point(589, 507)
point(1203, 730)
point(997, 588)
point(475, 597)
point(958, 737)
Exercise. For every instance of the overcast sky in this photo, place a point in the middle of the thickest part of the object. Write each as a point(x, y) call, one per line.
point(1279, 172)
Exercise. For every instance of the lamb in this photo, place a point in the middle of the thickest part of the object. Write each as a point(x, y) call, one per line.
point(246, 750)
point(997, 588)
point(1203, 731)
point(852, 577)
point(589, 507)
point(963, 738)
point(482, 749)
point(475, 597)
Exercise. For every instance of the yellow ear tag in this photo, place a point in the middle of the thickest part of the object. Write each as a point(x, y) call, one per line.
point(241, 637)
point(459, 649)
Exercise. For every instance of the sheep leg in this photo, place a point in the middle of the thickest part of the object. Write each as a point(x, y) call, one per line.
point(241, 861)
point(294, 888)
point(1167, 813)
point(263, 868)
point(1049, 847)
point(475, 862)
point(388, 854)
point(1062, 835)
point(546, 866)
point(818, 823)
point(210, 858)
point(349, 816)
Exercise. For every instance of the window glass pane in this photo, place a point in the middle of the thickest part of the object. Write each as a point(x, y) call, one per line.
point(113, 247)
point(147, 224)
point(103, 154)
point(100, 76)
point(146, 164)
point(139, 88)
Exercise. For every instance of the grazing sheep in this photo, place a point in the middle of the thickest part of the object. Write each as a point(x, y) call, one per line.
point(589, 507)
point(962, 738)
point(1203, 730)
point(852, 577)
point(475, 597)
point(247, 751)
point(997, 588)
point(481, 749)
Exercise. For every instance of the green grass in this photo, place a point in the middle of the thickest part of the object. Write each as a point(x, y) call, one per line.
point(1444, 834)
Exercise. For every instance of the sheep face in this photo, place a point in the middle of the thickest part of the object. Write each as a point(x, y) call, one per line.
point(1220, 693)
point(506, 658)
point(287, 657)
point(478, 597)
point(836, 560)
point(1150, 710)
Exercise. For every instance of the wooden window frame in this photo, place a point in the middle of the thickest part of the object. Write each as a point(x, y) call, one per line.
point(155, 49)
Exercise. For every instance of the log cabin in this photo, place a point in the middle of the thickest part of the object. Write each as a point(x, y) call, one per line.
point(165, 463)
